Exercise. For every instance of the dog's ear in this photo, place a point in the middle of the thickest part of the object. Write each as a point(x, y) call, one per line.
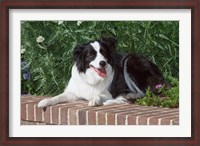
point(78, 57)
point(109, 42)
point(77, 52)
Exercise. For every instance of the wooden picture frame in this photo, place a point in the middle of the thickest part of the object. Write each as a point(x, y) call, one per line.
point(6, 5)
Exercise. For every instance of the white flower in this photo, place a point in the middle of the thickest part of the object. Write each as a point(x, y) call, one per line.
point(79, 23)
point(60, 22)
point(23, 50)
point(40, 39)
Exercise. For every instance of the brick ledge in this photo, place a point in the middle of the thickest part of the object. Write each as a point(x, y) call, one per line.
point(79, 113)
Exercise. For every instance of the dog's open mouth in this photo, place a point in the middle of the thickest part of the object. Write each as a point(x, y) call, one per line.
point(100, 71)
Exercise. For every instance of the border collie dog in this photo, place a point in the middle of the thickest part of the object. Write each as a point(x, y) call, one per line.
point(102, 76)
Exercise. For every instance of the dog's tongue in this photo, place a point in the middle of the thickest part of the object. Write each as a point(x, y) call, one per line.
point(101, 72)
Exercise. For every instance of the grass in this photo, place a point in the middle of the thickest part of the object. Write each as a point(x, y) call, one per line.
point(46, 51)
point(166, 98)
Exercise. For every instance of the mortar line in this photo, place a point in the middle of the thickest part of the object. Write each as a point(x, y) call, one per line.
point(59, 116)
point(42, 115)
point(137, 120)
point(126, 120)
point(51, 120)
point(96, 118)
point(68, 120)
point(116, 119)
point(27, 112)
point(87, 121)
point(34, 115)
point(106, 119)
point(77, 117)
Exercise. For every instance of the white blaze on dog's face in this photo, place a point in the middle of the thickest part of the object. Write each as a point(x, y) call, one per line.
point(99, 64)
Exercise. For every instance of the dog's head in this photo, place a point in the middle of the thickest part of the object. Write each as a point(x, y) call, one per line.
point(96, 56)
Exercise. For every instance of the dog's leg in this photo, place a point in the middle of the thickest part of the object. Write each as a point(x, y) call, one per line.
point(124, 99)
point(118, 100)
point(98, 100)
point(64, 97)
point(134, 96)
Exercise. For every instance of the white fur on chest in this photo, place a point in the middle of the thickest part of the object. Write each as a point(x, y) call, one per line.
point(89, 85)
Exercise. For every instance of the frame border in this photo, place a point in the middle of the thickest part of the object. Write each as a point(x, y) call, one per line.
point(89, 4)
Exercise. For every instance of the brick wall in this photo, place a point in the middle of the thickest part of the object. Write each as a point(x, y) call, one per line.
point(79, 113)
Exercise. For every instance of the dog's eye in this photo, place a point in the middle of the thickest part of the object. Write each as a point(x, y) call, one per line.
point(90, 55)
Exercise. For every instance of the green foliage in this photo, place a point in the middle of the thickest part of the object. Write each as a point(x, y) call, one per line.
point(165, 98)
point(48, 61)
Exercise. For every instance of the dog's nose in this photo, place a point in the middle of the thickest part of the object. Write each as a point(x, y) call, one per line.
point(102, 63)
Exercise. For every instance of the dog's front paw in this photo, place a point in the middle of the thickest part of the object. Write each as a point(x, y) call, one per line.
point(95, 102)
point(44, 103)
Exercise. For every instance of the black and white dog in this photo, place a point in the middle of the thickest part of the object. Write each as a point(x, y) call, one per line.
point(102, 76)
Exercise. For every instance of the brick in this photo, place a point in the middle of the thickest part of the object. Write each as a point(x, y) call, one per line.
point(26, 98)
point(110, 119)
point(47, 115)
point(141, 120)
point(165, 122)
point(127, 108)
point(174, 121)
point(152, 121)
point(31, 123)
point(110, 108)
point(73, 119)
point(63, 115)
point(91, 117)
point(82, 117)
point(101, 118)
point(55, 114)
point(131, 120)
point(121, 119)
point(28, 123)
point(38, 114)
point(31, 112)
point(23, 111)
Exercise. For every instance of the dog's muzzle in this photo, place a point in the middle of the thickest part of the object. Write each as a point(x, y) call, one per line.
point(100, 71)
